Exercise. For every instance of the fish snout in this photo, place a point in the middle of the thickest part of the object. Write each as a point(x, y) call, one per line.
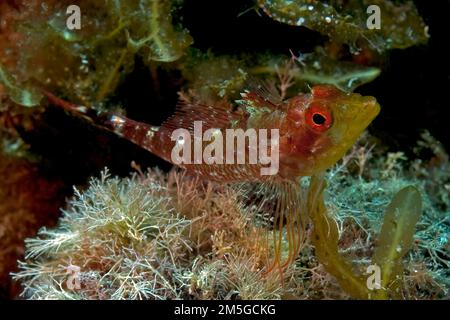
point(370, 107)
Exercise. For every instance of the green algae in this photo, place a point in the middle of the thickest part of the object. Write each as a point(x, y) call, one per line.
point(346, 22)
point(395, 239)
point(325, 240)
point(24, 95)
point(319, 68)
point(86, 65)
point(214, 76)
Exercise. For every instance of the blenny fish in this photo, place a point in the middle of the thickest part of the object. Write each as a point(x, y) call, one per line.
point(315, 130)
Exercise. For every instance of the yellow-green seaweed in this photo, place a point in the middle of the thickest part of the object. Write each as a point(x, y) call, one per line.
point(395, 239)
point(325, 239)
point(400, 219)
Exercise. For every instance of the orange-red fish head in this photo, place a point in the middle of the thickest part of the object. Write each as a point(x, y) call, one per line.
point(321, 127)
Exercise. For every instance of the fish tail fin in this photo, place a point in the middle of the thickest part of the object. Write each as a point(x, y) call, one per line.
point(139, 133)
point(78, 109)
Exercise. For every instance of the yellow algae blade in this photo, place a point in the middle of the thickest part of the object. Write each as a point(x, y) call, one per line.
point(395, 239)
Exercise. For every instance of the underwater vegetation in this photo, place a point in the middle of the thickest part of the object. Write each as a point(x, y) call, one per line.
point(95, 57)
point(345, 21)
point(164, 236)
point(23, 210)
point(342, 208)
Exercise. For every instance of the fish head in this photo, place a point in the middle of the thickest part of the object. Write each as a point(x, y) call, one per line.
point(321, 127)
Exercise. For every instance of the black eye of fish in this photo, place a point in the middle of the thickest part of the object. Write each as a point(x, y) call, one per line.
point(318, 119)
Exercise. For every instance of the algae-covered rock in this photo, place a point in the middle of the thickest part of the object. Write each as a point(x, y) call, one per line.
point(86, 63)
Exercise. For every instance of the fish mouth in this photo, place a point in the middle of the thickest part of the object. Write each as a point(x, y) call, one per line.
point(356, 115)
point(360, 115)
point(371, 108)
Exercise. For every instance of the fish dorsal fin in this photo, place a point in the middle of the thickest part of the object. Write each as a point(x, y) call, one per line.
point(258, 97)
point(262, 105)
point(280, 205)
point(265, 91)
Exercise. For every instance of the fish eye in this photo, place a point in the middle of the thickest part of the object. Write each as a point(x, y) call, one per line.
point(318, 117)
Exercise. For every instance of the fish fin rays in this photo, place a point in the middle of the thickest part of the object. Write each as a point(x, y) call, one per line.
point(187, 112)
point(280, 206)
point(265, 93)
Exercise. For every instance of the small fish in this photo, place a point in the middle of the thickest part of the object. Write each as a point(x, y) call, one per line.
point(315, 130)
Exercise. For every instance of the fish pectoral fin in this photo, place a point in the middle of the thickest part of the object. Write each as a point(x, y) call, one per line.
point(279, 205)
